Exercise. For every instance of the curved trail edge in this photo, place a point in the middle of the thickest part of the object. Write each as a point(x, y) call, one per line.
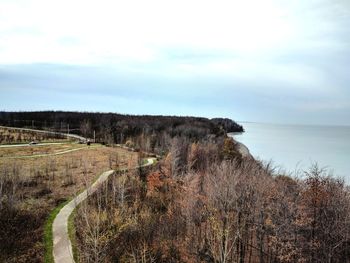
point(62, 246)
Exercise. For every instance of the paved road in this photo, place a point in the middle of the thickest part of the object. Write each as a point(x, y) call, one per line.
point(32, 145)
point(62, 246)
point(74, 136)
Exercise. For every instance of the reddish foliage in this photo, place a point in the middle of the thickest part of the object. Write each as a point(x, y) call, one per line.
point(154, 181)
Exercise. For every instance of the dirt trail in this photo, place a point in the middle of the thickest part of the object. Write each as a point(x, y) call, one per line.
point(50, 154)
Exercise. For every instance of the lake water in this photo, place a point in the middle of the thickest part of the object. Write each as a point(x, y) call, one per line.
point(297, 147)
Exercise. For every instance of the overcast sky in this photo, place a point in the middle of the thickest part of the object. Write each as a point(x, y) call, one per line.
point(250, 60)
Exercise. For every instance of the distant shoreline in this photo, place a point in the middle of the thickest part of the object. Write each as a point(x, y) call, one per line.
point(242, 148)
point(294, 149)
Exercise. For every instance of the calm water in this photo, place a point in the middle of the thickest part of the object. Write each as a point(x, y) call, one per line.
point(296, 147)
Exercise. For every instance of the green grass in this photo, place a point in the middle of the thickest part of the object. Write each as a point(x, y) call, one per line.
point(143, 161)
point(72, 235)
point(48, 235)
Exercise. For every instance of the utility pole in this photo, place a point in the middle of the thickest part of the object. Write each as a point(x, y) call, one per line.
point(68, 128)
point(94, 136)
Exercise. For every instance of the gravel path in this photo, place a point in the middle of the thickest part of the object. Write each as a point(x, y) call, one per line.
point(74, 136)
point(62, 246)
point(30, 145)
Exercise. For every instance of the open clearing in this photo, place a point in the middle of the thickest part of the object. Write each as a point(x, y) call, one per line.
point(30, 150)
point(35, 186)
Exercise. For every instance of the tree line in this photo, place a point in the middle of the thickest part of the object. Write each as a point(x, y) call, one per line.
point(143, 131)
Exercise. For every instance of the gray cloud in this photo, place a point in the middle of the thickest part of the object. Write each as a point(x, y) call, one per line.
point(300, 77)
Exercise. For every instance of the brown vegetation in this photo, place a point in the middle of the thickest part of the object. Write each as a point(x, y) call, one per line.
point(203, 203)
point(12, 136)
point(150, 133)
point(31, 187)
point(16, 152)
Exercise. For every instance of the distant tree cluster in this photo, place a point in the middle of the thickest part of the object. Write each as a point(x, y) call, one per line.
point(228, 124)
point(144, 131)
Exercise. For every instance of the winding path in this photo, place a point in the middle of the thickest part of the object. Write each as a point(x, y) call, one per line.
point(29, 145)
point(68, 135)
point(50, 154)
point(73, 136)
point(62, 246)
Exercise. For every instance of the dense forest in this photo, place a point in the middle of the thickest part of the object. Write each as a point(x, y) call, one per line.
point(142, 131)
point(206, 203)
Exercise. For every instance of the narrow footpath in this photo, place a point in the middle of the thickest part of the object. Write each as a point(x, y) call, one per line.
point(62, 246)
point(49, 154)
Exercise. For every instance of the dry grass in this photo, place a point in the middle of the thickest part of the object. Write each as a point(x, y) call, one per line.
point(40, 184)
point(26, 150)
point(52, 171)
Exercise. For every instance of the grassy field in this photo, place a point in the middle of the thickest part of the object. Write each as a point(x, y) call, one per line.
point(30, 188)
point(30, 150)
